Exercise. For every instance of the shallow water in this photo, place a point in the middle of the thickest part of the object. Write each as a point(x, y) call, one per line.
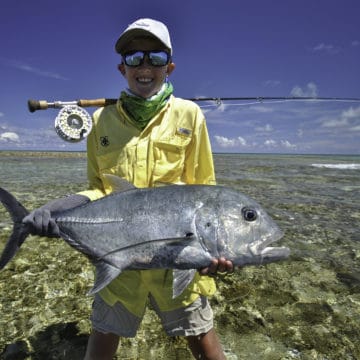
point(305, 308)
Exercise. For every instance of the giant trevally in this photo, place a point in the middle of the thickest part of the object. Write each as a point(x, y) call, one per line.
point(179, 227)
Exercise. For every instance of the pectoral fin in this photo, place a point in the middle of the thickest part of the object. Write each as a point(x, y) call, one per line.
point(181, 280)
point(105, 273)
point(118, 184)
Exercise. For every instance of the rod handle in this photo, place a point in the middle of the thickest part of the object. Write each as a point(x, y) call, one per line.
point(34, 105)
point(96, 102)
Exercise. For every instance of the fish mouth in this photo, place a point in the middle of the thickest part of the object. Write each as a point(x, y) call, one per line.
point(272, 253)
point(272, 237)
point(261, 247)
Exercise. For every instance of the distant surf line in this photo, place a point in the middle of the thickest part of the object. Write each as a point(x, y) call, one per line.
point(338, 166)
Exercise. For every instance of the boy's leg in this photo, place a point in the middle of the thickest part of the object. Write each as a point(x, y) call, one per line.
point(195, 322)
point(109, 324)
point(101, 346)
point(206, 346)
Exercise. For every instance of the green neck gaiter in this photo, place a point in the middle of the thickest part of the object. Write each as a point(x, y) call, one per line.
point(143, 110)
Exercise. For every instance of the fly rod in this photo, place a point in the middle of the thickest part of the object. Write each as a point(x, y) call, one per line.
point(73, 123)
point(35, 105)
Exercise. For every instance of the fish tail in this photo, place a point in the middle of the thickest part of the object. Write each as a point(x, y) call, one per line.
point(20, 230)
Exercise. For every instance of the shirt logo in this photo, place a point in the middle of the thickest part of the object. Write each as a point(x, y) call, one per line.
point(104, 141)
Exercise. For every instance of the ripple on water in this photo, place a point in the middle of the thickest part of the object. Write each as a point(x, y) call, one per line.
point(304, 308)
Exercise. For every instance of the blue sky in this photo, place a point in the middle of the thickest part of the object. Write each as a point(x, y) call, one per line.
point(64, 50)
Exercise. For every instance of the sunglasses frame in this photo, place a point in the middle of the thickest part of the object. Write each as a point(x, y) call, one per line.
point(148, 55)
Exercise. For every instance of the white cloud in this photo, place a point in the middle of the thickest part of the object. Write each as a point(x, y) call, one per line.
point(351, 113)
point(9, 137)
point(355, 128)
point(293, 126)
point(355, 43)
point(328, 48)
point(261, 109)
point(271, 83)
point(225, 142)
point(270, 143)
point(309, 91)
point(349, 118)
point(1, 114)
point(31, 69)
point(334, 123)
point(12, 137)
point(286, 144)
point(266, 128)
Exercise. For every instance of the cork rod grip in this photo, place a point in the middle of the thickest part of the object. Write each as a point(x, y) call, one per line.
point(34, 105)
point(95, 102)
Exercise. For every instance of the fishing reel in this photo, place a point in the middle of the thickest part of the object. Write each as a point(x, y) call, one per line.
point(73, 123)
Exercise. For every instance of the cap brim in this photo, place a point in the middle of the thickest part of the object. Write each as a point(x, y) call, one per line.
point(126, 37)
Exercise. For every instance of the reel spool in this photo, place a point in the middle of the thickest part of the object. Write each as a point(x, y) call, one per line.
point(73, 123)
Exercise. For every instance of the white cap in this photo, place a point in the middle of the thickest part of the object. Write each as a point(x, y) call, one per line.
point(144, 27)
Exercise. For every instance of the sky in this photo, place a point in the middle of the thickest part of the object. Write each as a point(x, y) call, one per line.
point(64, 51)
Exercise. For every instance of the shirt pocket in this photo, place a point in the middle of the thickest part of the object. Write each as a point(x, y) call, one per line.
point(114, 163)
point(169, 162)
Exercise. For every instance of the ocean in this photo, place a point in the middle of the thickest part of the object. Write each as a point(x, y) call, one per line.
point(307, 307)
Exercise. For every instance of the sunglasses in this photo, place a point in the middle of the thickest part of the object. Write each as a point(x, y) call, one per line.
point(156, 58)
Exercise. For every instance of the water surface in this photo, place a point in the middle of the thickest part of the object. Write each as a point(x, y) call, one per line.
point(305, 308)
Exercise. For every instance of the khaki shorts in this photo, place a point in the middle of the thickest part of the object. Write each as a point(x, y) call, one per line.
point(193, 320)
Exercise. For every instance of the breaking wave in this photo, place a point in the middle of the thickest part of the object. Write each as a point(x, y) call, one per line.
point(338, 166)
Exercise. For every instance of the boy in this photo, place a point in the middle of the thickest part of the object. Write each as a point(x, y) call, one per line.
point(150, 138)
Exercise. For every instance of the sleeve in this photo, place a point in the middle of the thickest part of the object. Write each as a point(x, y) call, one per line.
point(199, 165)
point(96, 188)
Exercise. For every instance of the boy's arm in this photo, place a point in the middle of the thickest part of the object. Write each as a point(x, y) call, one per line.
point(96, 189)
point(199, 165)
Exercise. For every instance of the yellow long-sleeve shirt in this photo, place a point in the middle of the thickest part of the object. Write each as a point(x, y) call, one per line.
point(174, 148)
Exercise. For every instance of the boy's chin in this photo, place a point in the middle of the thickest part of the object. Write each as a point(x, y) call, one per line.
point(146, 91)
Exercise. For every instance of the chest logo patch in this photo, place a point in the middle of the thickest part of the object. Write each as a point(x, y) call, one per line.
point(104, 141)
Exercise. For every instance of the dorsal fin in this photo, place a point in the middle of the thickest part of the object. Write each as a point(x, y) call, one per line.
point(118, 184)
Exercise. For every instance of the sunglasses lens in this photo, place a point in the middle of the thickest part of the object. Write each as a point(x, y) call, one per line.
point(159, 58)
point(134, 59)
point(156, 58)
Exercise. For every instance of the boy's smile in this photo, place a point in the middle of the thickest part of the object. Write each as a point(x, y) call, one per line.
point(145, 80)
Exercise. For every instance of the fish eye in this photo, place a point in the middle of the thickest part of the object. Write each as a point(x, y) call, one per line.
point(249, 214)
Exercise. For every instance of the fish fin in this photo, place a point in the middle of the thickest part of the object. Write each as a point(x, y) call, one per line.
point(181, 280)
point(20, 230)
point(16, 210)
point(105, 273)
point(13, 244)
point(118, 184)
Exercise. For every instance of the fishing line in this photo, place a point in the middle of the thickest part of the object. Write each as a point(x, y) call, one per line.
point(217, 104)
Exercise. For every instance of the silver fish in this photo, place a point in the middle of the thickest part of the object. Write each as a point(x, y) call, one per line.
point(174, 227)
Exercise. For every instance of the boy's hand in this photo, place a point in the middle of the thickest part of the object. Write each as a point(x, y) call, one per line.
point(40, 223)
point(220, 265)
